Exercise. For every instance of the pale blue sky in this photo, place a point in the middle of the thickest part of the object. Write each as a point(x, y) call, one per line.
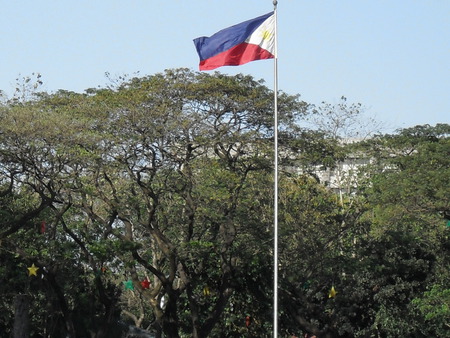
point(393, 56)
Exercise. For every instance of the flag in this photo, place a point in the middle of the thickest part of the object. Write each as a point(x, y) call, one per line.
point(236, 45)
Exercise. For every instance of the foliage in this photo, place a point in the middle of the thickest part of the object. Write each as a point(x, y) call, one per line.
point(168, 179)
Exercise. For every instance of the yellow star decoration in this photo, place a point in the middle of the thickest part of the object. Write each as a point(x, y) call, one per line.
point(32, 270)
point(332, 293)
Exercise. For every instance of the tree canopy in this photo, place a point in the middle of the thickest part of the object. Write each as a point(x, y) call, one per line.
point(150, 204)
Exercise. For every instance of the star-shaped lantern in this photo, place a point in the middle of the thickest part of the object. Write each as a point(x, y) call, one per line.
point(248, 321)
point(43, 227)
point(128, 285)
point(32, 270)
point(332, 293)
point(145, 284)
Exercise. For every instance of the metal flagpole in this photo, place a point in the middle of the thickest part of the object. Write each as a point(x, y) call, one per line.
point(275, 231)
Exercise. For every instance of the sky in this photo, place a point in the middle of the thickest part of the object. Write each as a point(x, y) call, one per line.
point(392, 56)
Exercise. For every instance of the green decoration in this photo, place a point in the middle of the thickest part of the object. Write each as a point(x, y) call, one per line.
point(128, 285)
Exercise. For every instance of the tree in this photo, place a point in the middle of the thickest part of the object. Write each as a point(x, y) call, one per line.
point(408, 200)
point(36, 178)
point(379, 249)
point(148, 179)
point(150, 203)
point(155, 184)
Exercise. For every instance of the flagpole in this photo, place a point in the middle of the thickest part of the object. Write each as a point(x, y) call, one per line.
point(275, 232)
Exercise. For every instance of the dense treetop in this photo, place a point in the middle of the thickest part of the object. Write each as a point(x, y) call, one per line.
point(150, 203)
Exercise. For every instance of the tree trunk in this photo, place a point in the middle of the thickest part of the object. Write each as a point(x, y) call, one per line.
point(62, 302)
point(169, 321)
point(21, 317)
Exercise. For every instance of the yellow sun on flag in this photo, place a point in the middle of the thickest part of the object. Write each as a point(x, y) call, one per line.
point(266, 34)
point(32, 270)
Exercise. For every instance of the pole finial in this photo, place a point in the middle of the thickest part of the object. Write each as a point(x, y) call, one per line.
point(275, 3)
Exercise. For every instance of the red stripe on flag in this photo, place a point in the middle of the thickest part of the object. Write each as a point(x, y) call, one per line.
point(238, 55)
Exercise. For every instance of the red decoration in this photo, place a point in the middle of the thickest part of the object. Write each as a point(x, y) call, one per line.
point(145, 284)
point(43, 227)
point(248, 321)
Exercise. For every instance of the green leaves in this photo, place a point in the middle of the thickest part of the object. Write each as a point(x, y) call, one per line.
point(170, 177)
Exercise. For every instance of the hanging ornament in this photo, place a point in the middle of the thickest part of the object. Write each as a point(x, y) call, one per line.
point(248, 321)
point(103, 269)
point(332, 293)
point(32, 270)
point(145, 284)
point(306, 285)
point(128, 285)
point(206, 291)
point(43, 227)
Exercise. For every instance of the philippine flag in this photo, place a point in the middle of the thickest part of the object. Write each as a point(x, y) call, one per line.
point(236, 45)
